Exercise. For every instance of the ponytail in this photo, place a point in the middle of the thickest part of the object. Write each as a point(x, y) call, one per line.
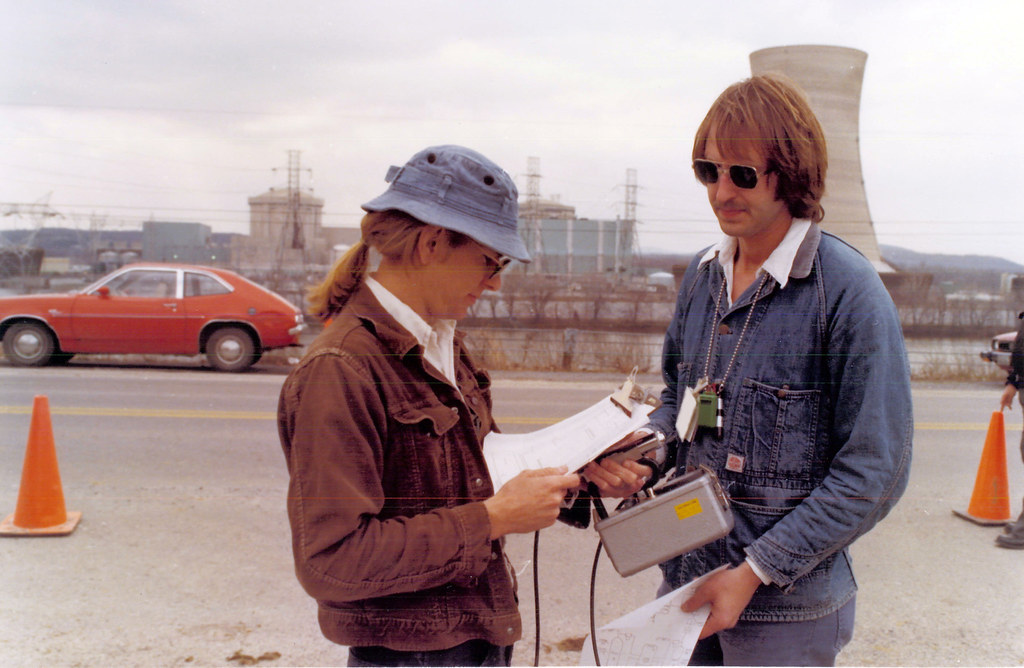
point(392, 233)
point(328, 298)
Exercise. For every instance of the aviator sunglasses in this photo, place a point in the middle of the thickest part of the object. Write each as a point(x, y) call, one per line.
point(742, 176)
point(496, 266)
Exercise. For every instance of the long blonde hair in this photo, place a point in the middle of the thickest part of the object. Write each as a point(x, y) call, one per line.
point(391, 233)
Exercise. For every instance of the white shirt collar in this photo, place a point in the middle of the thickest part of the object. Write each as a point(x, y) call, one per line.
point(438, 342)
point(779, 263)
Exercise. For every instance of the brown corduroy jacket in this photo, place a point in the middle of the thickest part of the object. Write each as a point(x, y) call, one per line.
point(387, 476)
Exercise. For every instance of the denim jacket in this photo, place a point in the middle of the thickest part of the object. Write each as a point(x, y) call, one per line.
point(818, 423)
point(387, 479)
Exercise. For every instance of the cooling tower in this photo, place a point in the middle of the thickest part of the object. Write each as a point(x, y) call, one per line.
point(831, 77)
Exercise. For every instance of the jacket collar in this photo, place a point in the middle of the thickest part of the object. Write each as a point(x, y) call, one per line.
point(363, 306)
point(804, 260)
point(398, 340)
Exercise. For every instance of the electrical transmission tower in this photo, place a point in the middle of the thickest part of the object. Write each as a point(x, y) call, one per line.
point(293, 236)
point(627, 246)
point(26, 256)
point(631, 195)
point(37, 212)
point(533, 210)
point(293, 228)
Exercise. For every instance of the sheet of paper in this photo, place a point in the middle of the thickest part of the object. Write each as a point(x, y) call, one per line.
point(573, 442)
point(656, 634)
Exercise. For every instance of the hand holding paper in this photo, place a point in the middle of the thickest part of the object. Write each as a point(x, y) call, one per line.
point(656, 634)
point(572, 443)
point(728, 592)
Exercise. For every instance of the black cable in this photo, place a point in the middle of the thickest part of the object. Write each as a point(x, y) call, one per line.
point(593, 626)
point(536, 601)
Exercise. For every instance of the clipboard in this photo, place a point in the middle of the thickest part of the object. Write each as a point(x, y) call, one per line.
point(575, 441)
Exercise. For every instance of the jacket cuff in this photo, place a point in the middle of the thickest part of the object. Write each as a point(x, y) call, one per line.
point(475, 526)
point(756, 554)
point(761, 575)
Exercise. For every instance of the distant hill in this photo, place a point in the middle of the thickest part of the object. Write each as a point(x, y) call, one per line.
point(66, 242)
point(901, 259)
point(82, 244)
point(904, 259)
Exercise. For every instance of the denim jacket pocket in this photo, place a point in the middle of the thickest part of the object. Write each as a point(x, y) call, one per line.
point(754, 515)
point(777, 431)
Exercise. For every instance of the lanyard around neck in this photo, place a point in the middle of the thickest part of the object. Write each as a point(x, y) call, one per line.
point(714, 330)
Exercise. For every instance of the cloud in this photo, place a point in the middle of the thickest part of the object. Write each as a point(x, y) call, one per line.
point(184, 109)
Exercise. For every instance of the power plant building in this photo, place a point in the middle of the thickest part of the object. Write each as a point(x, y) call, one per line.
point(285, 230)
point(190, 243)
point(583, 246)
point(561, 243)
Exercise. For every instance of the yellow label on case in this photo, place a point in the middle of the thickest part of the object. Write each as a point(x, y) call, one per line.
point(688, 509)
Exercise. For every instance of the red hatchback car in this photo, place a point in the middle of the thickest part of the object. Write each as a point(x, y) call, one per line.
point(154, 308)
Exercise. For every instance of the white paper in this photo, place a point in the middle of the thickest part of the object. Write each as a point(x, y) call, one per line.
point(686, 421)
point(656, 634)
point(573, 442)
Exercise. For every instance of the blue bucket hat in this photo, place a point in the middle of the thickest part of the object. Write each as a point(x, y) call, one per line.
point(458, 189)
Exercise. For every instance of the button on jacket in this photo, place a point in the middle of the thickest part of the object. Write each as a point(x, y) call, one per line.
point(818, 421)
point(387, 479)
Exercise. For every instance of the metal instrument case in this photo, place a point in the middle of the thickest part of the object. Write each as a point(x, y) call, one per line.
point(682, 514)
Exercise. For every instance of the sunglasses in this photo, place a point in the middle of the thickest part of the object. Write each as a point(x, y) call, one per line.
point(742, 176)
point(496, 266)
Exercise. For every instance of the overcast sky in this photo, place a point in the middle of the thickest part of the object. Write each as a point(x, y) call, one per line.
point(128, 111)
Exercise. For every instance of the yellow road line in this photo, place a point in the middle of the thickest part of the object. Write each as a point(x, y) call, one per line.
point(192, 414)
point(958, 426)
point(183, 413)
point(144, 412)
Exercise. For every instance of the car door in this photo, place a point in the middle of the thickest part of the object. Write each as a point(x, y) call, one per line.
point(207, 298)
point(135, 311)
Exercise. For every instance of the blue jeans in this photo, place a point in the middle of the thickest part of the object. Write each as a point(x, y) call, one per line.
point(812, 643)
point(470, 653)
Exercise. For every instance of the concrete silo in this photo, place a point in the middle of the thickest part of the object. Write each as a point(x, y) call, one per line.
point(831, 76)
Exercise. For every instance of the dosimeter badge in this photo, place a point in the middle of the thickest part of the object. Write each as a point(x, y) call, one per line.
point(676, 516)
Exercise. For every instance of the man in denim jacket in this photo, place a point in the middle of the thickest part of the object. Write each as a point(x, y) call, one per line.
point(800, 347)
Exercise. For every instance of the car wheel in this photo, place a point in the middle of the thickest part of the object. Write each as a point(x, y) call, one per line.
point(29, 344)
point(230, 349)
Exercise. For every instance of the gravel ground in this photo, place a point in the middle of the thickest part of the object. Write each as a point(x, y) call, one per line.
point(169, 582)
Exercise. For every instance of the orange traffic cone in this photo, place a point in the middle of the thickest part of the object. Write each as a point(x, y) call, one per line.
point(40, 510)
point(990, 502)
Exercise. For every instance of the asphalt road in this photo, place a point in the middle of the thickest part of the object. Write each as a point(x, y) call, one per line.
point(183, 556)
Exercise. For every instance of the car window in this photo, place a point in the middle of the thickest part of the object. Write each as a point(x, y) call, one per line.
point(198, 285)
point(143, 283)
